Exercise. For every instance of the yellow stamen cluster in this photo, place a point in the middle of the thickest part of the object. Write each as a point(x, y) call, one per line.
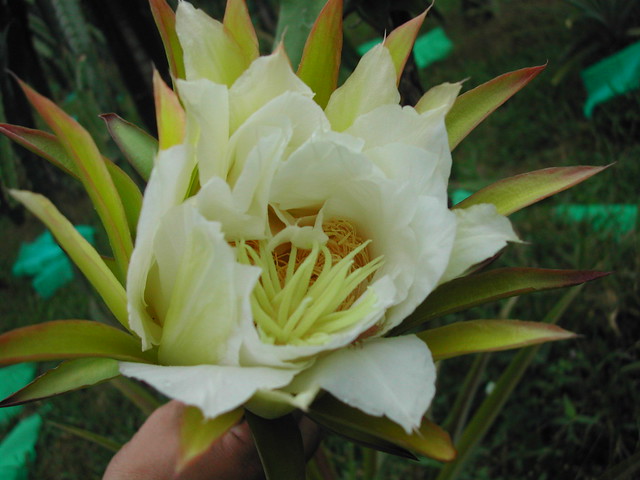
point(304, 296)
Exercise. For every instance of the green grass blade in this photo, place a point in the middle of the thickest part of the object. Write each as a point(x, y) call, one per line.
point(492, 405)
point(138, 395)
point(272, 438)
point(103, 441)
point(66, 377)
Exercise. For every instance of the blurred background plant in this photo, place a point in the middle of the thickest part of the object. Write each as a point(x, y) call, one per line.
point(576, 412)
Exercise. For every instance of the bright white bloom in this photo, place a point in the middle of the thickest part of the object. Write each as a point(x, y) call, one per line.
point(280, 243)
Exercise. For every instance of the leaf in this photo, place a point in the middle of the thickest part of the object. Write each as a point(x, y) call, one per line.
point(170, 115)
point(49, 147)
point(514, 193)
point(92, 173)
point(165, 19)
point(138, 146)
point(239, 25)
point(68, 376)
point(92, 437)
point(198, 433)
point(65, 339)
point(466, 292)
point(137, 394)
point(474, 106)
point(474, 336)
point(81, 252)
point(320, 62)
point(489, 409)
point(380, 432)
point(400, 41)
point(272, 438)
point(294, 24)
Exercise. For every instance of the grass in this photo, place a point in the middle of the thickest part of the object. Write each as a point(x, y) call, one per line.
point(575, 414)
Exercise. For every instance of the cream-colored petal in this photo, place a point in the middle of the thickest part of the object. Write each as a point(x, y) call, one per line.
point(372, 83)
point(394, 377)
point(167, 187)
point(267, 78)
point(441, 96)
point(209, 51)
point(480, 233)
point(208, 290)
point(213, 389)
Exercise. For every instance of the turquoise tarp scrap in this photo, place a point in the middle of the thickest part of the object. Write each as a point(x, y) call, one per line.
point(12, 379)
point(429, 48)
point(459, 194)
point(619, 219)
point(44, 260)
point(611, 76)
point(18, 448)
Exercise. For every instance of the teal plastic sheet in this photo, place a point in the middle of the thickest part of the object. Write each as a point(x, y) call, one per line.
point(47, 263)
point(18, 448)
point(611, 76)
point(429, 48)
point(459, 194)
point(12, 379)
point(618, 219)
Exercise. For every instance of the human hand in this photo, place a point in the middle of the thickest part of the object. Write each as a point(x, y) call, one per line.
point(152, 453)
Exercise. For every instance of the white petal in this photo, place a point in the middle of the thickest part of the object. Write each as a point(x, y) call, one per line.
point(212, 388)
point(267, 78)
point(207, 108)
point(208, 51)
point(208, 291)
point(394, 377)
point(480, 233)
point(167, 187)
point(372, 83)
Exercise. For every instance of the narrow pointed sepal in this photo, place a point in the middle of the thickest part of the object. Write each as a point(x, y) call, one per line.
point(67, 339)
point(473, 290)
point(198, 433)
point(515, 193)
point(170, 116)
point(380, 432)
point(274, 436)
point(165, 19)
point(66, 377)
point(474, 336)
point(320, 62)
point(474, 106)
point(86, 258)
point(400, 42)
point(239, 25)
point(138, 147)
point(92, 172)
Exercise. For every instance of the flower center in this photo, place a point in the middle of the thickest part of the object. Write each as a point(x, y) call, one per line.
point(304, 296)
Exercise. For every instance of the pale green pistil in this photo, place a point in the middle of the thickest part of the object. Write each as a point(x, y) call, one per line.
point(304, 296)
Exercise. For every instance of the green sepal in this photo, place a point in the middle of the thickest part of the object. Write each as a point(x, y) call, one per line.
point(474, 336)
point(47, 146)
point(400, 42)
point(466, 292)
point(320, 62)
point(67, 339)
point(138, 147)
point(272, 438)
point(474, 106)
point(295, 21)
point(165, 19)
point(197, 433)
point(380, 432)
point(68, 376)
point(515, 193)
